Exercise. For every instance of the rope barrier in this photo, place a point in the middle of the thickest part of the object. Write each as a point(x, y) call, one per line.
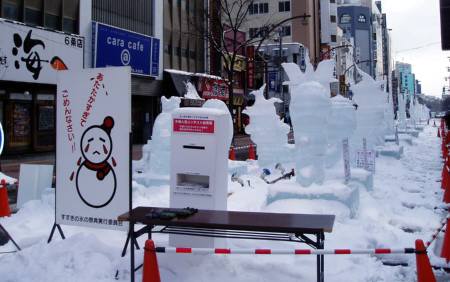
point(174, 250)
point(436, 233)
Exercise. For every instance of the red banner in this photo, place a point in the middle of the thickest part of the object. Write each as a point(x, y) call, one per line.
point(193, 125)
point(250, 66)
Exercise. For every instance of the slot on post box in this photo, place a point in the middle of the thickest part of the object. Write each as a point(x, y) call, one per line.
point(192, 182)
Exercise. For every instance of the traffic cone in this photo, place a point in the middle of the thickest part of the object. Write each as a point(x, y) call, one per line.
point(446, 198)
point(424, 270)
point(232, 154)
point(4, 203)
point(150, 265)
point(445, 253)
point(251, 152)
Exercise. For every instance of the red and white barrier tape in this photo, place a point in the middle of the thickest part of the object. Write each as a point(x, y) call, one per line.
point(436, 233)
point(204, 251)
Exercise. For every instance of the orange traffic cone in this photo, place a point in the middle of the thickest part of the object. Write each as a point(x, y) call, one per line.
point(445, 253)
point(251, 152)
point(232, 154)
point(4, 203)
point(150, 266)
point(424, 270)
point(446, 198)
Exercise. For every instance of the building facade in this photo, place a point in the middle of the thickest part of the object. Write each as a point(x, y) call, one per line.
point(305, 30)
point(355, 22)
point(40, 37)
point(30, 58)
point(407, 81)
point(328, 27)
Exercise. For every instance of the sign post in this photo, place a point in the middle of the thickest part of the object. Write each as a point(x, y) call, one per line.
point(92, 147)
point(346, 157)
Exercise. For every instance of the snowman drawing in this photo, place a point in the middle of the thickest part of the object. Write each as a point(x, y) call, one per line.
point(95, 178)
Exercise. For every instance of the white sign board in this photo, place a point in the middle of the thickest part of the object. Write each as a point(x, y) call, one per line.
point(33, 179)
point(92, 146)
point(366, 159)
point(35, 55)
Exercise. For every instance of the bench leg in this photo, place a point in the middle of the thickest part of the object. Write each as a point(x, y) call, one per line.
point(320, 258)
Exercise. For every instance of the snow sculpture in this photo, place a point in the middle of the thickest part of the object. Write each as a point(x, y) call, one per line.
point(162, 132)
point(267, 130)
point(220, 105)
point(389, 118)
point(401, 113)
point(309, 108)
point(341, 125)
point(191, 92)
point(370, 113)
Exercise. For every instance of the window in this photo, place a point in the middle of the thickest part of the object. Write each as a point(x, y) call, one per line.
point(284, 6)
point(253, 32)
point(253, 9)
point(33, 16)
point(332, 1)
point(52, 18)
point(345, 18)
point(10, 10)
point(333, 38)
point(70, 13)
point(263, 8)
point(333, 18)
point(286, 30)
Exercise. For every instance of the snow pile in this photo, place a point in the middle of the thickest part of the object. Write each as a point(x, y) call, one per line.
point(267, 130)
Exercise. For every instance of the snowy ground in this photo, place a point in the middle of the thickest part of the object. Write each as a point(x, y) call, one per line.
point(399, 210)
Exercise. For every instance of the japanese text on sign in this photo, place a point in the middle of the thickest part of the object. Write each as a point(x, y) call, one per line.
point(91, 99)
point(68, 119)
point(193, 125)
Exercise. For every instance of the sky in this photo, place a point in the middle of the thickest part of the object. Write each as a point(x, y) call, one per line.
point(416, 23)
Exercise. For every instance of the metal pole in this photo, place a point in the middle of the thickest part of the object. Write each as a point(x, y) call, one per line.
point(280, 33)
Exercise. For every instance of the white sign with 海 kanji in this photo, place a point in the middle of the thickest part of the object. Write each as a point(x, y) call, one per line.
point(31, 54)
point(93, 122)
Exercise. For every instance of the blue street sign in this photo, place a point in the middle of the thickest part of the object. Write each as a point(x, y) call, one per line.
point(118, 47)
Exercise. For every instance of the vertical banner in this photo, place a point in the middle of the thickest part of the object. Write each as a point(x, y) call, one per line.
point(155, 57)
point(346, 157)
point(92, 147)
point(250, 66)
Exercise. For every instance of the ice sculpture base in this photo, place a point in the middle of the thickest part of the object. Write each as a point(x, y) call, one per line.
point(330, 190)
point(403, 137)
point(390, 150)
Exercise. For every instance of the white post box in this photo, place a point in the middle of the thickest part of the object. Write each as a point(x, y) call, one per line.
point(199, 164)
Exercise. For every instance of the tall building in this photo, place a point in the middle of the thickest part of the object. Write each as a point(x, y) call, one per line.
point(355, 22)
point(301, 30)
point(386, 48)
point(407, 81)
point(445, 24)
point(377, 41)
point(184, 47)
point(328, 27)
